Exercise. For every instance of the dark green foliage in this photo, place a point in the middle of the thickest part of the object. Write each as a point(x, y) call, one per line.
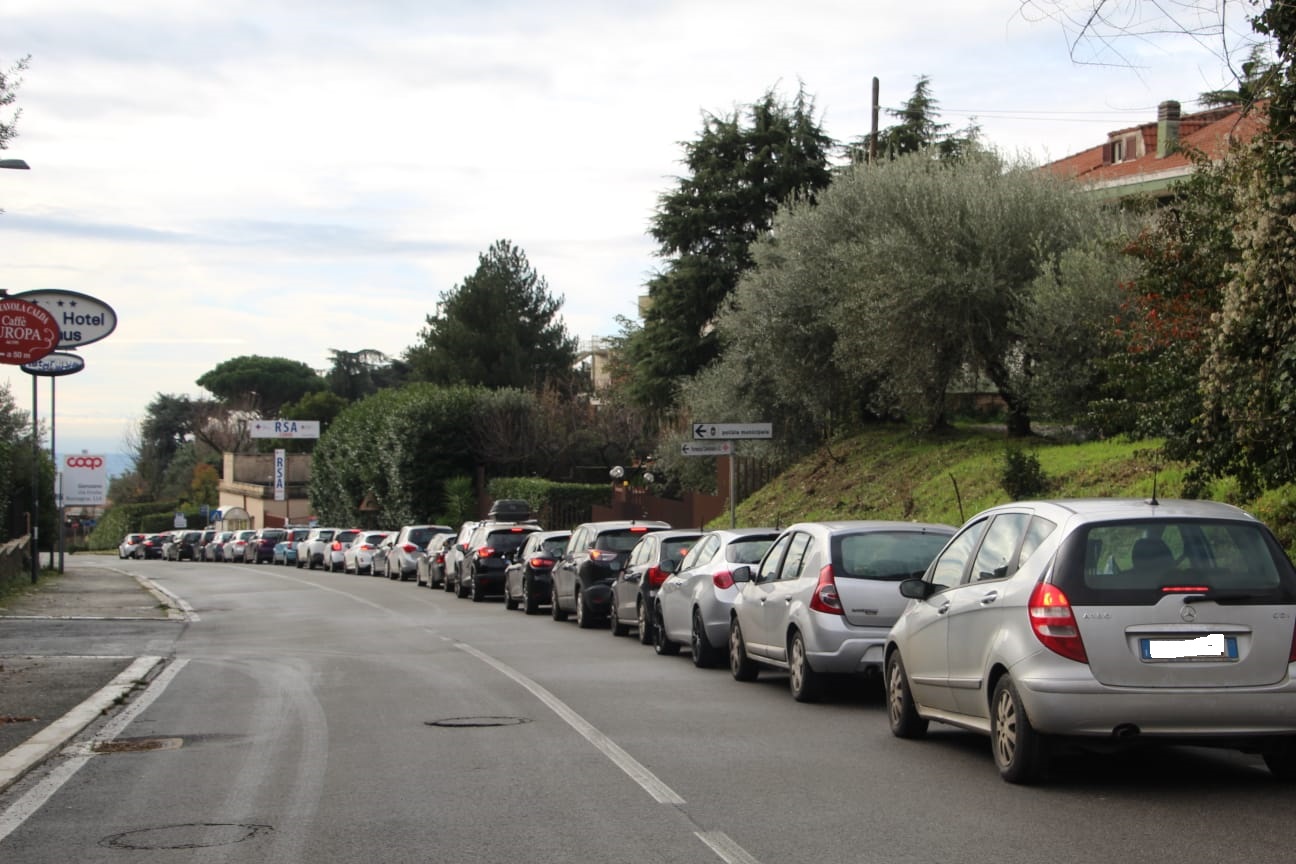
point(1021, 475)
point(261, 384)
point(741, 168)
point(499, 328)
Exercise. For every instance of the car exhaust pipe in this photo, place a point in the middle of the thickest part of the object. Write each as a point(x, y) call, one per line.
point(1125, 731)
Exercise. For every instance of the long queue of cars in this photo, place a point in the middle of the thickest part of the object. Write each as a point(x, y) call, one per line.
point(1048, 626)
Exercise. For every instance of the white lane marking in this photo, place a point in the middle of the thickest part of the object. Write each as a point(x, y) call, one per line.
point(174, 601)
point(36, 796)
point(651, 784)
point(723, 845)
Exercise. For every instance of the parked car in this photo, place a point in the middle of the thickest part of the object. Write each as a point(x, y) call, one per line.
point(823, 597)
point(582, 579)
point(285, 551)
point(130, 545)
point(335, 549)
point(151, 546)
point(179, 545)
point(261, 545)
point(490, 549)
point(634, 591)
point(693, 603)
point(200, 548)
point(358, 556)
point(397, 559)
point(454, 555)
point(215, 548)
point(1106, 623)
point(235, 546)
point(429, 570)
point(310, 551)
point(527, 578)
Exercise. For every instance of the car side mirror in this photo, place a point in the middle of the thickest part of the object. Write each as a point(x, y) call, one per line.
point(917, 589)
point(670, 566)
point(741, 574)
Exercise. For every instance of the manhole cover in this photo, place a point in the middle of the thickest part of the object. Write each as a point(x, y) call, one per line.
point(194, 835)
point(136, 745)
point(472, 722)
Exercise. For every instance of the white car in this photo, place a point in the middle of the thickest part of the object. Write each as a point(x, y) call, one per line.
point(358, 555)
point(310, 552)
point(130, 545)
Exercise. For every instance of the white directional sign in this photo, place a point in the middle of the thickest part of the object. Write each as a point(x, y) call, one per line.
point(284, 428)
point(716, 431)
point(707, 448)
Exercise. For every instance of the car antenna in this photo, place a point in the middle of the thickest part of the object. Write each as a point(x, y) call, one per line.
point(959, 497)
point(1154, 502)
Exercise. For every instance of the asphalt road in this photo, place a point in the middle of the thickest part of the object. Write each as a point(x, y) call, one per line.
point(321, 717)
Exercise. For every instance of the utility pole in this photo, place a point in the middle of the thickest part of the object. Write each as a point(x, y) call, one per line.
point(872, 156)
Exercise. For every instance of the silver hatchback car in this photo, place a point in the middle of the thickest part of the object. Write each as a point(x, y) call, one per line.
point(1102, 623)
point(823, 598)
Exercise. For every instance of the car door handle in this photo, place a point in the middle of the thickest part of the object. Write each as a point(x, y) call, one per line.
point(944, 607)
point(989, 598)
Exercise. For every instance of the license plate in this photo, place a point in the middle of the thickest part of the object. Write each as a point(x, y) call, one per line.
point(1212, 646)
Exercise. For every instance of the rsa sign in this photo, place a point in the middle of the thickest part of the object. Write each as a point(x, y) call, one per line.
point(81, 319)
point(27, 332)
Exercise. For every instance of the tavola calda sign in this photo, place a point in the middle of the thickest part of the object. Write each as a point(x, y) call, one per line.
point(27, 332)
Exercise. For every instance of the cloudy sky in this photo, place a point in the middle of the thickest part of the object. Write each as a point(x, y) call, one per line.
point(285, 177)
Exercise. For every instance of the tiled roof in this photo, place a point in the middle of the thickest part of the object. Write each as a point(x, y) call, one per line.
point(1209, 132)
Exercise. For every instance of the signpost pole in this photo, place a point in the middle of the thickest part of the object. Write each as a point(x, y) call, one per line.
point(35, 518)
point(733, 488)
point(58, 504)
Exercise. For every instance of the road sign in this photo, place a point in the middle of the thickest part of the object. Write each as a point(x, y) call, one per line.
point(84, 480)
point(55, 363)
point(27, 332)
point(715, 431)
point(706, 448)
point(81, 319)
point(285, 428)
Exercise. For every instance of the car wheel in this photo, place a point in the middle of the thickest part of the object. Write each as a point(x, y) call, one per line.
point(584, 619)
point(1281, 761)
point(556, 611)
point(475, 589)
point(742, 667)
point(614, 620)
point(705, 655)
point(646, 628)
point(510, 602)
point(447, 584)
point(662, 644)
point(1020, 753)
point(903, 715)
point(387, 571)
point(530, 605)
point(461, 588)
point(807, 685)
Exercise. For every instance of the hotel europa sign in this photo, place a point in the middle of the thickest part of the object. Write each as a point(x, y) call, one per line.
point(27, 332)
point(81, 319)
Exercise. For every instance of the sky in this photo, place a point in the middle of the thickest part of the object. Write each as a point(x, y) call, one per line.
point(287, 177)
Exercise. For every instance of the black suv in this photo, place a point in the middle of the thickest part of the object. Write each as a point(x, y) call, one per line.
point(179, 545)
point(492, 546)
point(582, 580)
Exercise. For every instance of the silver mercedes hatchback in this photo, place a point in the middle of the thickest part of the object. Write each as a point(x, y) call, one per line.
point(1102, 623)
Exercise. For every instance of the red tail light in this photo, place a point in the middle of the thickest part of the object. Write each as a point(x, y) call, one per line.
point(485, 551)
point(602, 555)
point(825, 598)
point(723, 580)
point(656, 576)
point(539, 563)
point(365, 547)
point(409, 550)
point(337, 546)
point(440, 557)
point(1054, 623)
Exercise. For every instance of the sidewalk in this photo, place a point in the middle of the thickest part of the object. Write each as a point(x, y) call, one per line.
point(46, 700)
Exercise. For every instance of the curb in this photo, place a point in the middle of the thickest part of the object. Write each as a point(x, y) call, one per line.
point(24, 757)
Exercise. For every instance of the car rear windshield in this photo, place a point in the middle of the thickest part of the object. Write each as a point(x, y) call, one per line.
point(506, 542)
point(273, 536)
point(748, 551)
point(619, 539)
point(1138, 562)
point(420, 536)
point(346, 536)
point(555, 547)
point(888, 555)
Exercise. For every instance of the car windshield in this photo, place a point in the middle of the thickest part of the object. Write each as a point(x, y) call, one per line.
point(889, 555)
point(1138, 562)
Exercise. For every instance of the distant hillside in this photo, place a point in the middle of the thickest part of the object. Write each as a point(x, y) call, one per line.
point(891, 473)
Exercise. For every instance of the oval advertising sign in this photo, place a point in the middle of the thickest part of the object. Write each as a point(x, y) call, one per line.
point(27, 332)
point(82, 319)
point(55, 363)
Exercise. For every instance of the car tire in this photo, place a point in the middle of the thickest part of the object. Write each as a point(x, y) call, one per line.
point(705, 655)
point(662, 644)
point(615, 625)
point(901, 711)
point(806, 684)
point(1020, 753)
point(741, 667)
point(510, 602)
point(530, 605)
point(461, 589)
point(645, 622)
point(584, 617)
point(447, 584)
point(387, 571)
point(556, 611)
point(475, 589)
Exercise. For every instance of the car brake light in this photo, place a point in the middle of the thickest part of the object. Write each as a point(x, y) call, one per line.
point(409, 550)
point(516, 529)
point(1291, 658)
point(337, 547)
point(723, 580)
point(1184, 589)
point(602, 555)
point(537, 563)
point(656, 576)
point(485, 551)
point(825, 597)
point(440, 557)
point(638, 529)
point(1054, 623)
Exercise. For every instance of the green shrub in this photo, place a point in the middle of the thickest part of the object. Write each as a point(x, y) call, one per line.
point(1021, 475)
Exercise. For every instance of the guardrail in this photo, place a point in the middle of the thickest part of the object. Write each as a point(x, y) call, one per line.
point(15, 561)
